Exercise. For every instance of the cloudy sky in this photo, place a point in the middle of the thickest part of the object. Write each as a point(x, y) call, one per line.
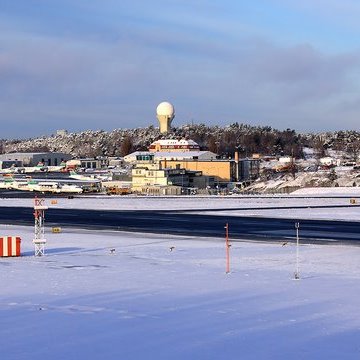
point(105, 64)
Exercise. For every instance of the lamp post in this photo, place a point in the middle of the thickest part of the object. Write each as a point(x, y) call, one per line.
point(297, 272)
point(227, 248)
point(236, 158)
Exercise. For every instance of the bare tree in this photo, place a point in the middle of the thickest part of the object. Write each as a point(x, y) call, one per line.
point(319, 147)
point(353, 150)
point(126, 146)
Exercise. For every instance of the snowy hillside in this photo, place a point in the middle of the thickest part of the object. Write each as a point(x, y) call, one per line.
point(336, 181)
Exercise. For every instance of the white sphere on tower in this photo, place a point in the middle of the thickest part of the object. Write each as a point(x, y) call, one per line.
point(165, 113)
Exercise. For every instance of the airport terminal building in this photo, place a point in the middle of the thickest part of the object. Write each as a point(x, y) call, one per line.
point(33, 159)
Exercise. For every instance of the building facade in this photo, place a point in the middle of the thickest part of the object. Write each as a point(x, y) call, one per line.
point(172, 155)
point(220, 170)
point(170, 145)
point(249, 169)
point(35, 159)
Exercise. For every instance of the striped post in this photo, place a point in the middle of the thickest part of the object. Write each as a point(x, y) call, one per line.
point(10, 246)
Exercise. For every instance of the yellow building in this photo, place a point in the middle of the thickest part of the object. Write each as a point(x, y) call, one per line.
point(142, 177)
point(154, 177)
point(148, 173)
point(222, 170)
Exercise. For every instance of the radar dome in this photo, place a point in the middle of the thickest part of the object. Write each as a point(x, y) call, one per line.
point(165, 109)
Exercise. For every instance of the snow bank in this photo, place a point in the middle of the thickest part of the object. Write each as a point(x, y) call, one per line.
point(328, 191)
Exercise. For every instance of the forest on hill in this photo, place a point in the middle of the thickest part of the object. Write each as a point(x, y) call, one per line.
point(223, 140)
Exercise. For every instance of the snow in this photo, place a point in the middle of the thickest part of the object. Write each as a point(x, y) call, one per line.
point(342, 214)
point(143, 301)
point(105, 202)
point(328, 191)
point(229, 205)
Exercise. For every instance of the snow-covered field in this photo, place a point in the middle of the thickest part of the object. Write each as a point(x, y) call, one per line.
point(330, 213)
point(147, 302)
point(104, 202)
point(252, 205)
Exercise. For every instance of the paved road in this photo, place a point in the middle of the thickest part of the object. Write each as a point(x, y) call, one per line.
point(166, 222)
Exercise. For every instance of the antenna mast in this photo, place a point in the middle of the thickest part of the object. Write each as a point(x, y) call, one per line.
point(39, 238)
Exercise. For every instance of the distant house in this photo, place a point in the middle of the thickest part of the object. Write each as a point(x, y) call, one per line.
point(327, 161)
point(94, 163)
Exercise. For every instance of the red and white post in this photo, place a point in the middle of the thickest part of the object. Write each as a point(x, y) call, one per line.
point(39, 238)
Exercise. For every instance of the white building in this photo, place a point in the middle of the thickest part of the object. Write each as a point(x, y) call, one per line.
point(175, 145)
point(35, 158)
point(172, 155)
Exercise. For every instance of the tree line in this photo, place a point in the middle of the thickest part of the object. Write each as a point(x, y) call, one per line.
point(222, 140)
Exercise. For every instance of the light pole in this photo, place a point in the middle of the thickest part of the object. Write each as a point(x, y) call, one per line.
point(227, 247)
point(237, 155)
point(297, 272)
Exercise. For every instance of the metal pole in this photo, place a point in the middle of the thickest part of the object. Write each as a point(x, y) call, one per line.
point(297, 272)
point(227, 247)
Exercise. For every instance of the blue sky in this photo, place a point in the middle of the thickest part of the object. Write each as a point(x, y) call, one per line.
point(106, 64)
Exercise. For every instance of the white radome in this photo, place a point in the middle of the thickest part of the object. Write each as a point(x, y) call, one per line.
point(165, 108)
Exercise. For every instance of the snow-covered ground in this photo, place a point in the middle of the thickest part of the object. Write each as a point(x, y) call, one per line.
point(104, 202)
point(343, 214)
point(147, 302)
point(327, 191)
point(252, 205)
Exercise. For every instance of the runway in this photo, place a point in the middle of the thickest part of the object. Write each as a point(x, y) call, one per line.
point(183, 223)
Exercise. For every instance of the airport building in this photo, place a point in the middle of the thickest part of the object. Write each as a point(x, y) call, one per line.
point(7, 164)
point(221, 170)
point(148, 175)
point(171, 161)
point(205, 162)
point(249, 170)
point(173, 145)
point(94, 163)
point(36, 158)
point(171, 155)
